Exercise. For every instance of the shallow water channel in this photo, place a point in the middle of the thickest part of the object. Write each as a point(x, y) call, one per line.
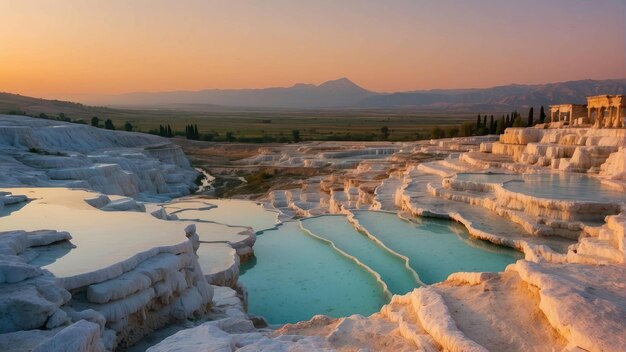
point(324, 265)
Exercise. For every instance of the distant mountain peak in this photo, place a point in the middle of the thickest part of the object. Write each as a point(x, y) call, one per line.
point(342, 83)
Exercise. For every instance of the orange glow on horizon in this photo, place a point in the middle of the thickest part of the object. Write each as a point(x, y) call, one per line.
point(58, 49)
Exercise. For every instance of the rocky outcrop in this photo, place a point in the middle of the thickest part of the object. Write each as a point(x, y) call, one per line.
point(154, 289)
point(82, 336)
point(128, 298)
point(166, 287)
point(30, 298)
point(38, 152)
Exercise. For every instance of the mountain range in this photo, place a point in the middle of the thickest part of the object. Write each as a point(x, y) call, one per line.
point(343, 93)
point(513, 96)
point(336, 94)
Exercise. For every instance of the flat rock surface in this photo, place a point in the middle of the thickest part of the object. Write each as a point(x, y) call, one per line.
point(122, 234)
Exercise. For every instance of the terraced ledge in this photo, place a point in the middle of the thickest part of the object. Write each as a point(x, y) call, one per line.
point(371, 271)
point(531, 251)
point(355, 222)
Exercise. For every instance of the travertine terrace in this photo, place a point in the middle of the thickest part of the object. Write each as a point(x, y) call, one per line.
point(568, 293)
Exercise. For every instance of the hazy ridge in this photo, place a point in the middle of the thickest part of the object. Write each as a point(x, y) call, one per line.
point(338, 94)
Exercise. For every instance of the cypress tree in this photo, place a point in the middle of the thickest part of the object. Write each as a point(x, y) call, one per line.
point(478, 122)
point(492, 125)
point(169, 131)
point(108, 124)
point(500, 127)
point(531, 112)
point(196, 135)
point(542, 115)
point(507, 121)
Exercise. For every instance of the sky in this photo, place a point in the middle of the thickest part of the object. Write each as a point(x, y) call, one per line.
point(64, 48)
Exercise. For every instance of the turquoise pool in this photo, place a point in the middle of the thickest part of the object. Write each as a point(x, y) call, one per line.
point(563, 186)
point(298, 273)
point(391, 267)
point(566, 187)
point(297, 276)
point(436, 248)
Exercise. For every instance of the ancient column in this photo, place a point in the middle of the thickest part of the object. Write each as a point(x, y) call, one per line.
point(571, 116)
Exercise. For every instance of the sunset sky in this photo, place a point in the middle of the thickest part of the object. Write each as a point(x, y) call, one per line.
point(64, 48)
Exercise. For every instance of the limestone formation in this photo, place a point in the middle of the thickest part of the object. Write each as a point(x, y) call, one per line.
point(567, 294)
point(38, 152)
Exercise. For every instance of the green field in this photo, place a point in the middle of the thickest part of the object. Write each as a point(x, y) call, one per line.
point(251, 123)
point(313, 125)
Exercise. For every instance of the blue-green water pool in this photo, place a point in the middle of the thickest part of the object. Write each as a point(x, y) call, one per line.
point(296, 276)
point(562, 186)
point(297, 273)
point(436, 248)
point(390, 267)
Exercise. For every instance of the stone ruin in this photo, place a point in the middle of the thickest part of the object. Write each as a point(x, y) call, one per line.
point(601, 111)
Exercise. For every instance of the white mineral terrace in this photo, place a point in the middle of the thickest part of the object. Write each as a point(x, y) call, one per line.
point(92, 229)
point(122, 266)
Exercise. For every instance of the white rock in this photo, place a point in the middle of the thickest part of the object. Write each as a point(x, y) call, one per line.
point(82, 336)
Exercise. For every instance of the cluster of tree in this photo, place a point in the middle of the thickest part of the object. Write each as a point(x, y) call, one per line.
point(191, 132)
point(514, 119)
point(109, 125)
point(484, 127)
point(165, 131)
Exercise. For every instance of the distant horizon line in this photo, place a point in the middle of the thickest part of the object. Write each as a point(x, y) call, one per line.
point(50, 96)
